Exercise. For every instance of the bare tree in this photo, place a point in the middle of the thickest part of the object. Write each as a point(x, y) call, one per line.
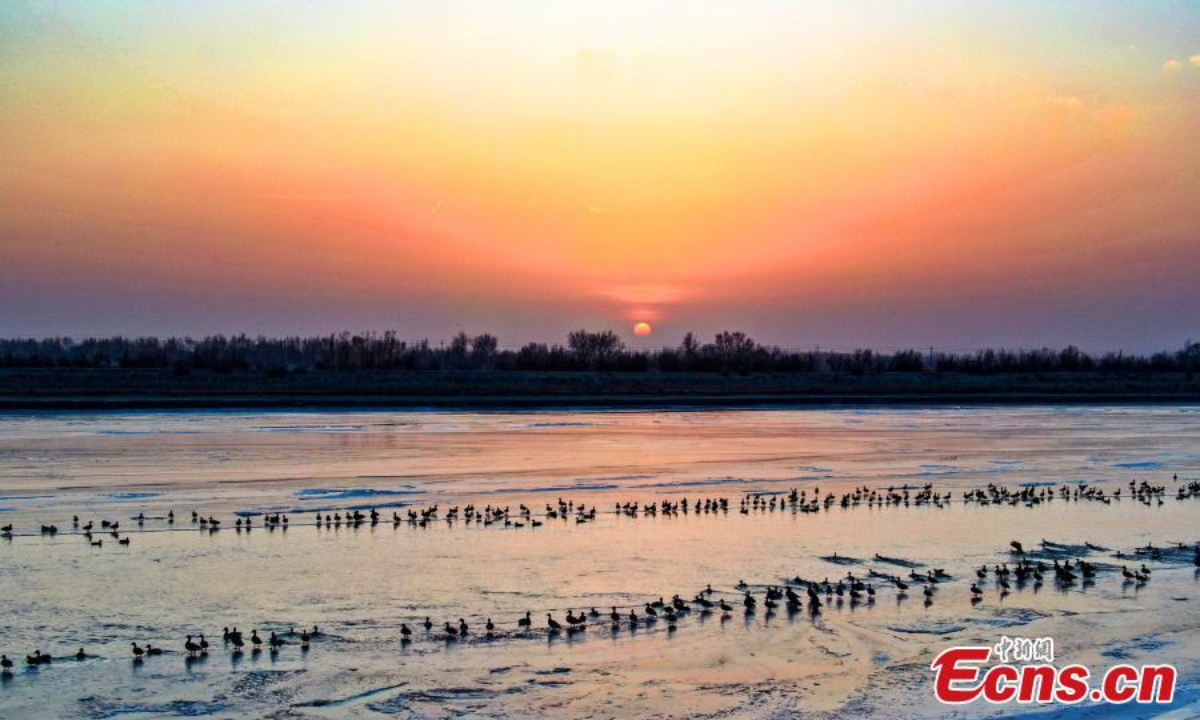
point(594, 350)
point(483, 350)
point(734, 350)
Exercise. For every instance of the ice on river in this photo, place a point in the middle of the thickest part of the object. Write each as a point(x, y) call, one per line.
point(358, 585)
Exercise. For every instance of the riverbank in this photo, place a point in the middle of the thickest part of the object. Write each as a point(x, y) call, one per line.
point(117, 389)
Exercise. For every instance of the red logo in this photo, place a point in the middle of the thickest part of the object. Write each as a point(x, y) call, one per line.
point(962, 675)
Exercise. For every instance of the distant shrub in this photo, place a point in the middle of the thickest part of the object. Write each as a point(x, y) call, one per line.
point(730, 352)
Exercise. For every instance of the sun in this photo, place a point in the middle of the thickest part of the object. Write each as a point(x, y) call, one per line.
point(642, 329)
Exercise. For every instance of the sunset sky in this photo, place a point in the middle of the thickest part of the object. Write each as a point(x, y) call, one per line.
point(903, 172)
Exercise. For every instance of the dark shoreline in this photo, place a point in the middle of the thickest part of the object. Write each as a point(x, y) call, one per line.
point(500, 404)
point(67, 389)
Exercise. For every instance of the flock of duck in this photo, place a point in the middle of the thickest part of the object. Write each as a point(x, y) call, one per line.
point(795, 595)
point(194, 646)
point(1027, 568)
point(795, 501)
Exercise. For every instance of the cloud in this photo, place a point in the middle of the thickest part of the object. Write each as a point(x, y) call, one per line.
point(645, 293)
point(1171, 65)
point(595, 65)
point(1069, 102)
point(1114, 116)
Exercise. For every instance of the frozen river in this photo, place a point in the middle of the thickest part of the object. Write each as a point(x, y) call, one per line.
point(360, 584)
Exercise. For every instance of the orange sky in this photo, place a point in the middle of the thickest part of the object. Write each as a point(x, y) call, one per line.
point(847, 173)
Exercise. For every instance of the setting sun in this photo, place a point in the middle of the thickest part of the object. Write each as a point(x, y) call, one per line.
point(642, 329)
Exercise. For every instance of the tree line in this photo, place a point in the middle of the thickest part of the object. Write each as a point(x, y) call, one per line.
point(728, 352)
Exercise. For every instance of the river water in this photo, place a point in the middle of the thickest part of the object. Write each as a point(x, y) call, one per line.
point(360, 584)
